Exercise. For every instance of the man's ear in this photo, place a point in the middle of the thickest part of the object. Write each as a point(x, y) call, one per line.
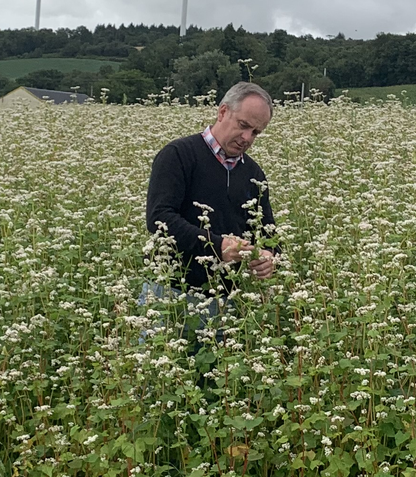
point(221, 112)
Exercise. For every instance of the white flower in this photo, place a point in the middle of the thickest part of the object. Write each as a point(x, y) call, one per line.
point(90, 440)
point(326, 441)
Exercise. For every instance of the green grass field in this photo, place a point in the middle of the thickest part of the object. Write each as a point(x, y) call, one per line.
point(367, 94)
point(17, 68)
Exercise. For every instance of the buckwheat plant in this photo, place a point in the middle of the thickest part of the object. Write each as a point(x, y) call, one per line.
point(108, 368)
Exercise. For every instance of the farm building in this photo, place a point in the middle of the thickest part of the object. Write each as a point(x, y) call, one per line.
point(34, 96)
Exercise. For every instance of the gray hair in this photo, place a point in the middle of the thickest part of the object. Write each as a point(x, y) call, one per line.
point(240, 91)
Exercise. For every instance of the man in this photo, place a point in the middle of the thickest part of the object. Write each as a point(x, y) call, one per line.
point(213, 169)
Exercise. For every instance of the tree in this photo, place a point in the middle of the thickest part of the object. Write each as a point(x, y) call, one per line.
point(156, 60)
point(231, 44)
point(82, 34)
point(43, 79)
point(241, 45)
point(392, 59)
point(290, 79)
point(84, 79)
point(348, 67)
point(278, 44)
point(6, 85)
point(71, 49)
point(210, 40)
point(325, 85)
point(126, 85)
point(210, 70)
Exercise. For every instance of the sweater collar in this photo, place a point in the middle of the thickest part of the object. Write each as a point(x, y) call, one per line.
point(216, 148)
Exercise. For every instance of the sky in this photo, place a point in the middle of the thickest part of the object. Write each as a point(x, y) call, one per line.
point(320, 18)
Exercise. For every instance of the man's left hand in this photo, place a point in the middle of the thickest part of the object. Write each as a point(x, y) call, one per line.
point(263, 266)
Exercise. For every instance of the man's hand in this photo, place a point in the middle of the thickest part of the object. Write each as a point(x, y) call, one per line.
point(263, 266)
point(231, 248)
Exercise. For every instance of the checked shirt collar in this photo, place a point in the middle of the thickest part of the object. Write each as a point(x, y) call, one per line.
point(228, 162)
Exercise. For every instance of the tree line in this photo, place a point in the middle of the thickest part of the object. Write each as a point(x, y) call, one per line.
point(154, 57)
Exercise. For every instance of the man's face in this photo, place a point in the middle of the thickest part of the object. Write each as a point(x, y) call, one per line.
point(236, 130)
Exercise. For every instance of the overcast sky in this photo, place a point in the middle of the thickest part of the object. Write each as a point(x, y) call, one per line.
point(355, 18)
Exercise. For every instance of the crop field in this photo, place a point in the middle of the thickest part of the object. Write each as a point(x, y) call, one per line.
point(13, 69)
point(315, 373)
point(406, 92)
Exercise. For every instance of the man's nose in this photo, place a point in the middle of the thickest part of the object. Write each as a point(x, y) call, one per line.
point(246, 135)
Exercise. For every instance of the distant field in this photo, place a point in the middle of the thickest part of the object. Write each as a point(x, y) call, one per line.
point(366, 94)
point(17, 68)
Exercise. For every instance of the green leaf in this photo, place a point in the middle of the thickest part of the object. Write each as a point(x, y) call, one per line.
point(203, 356)
point(120, 402)
point(345, 363)
point(295, 381)
point(409, 473)
point(412, 447)
point(401, 437)
point(128, 450)
point(73, 430)
point(316, 418)
point(253, 423)
point(310, 455)
point(112, 473)
point(253, 455)
point(46, 470)
point(197, 473)
point(92, 458)
point(149, 441)
point(75, 464)
point(362, 461)
point(201, 420)
point(298, 464)
point(315, 463)
point(240, 423)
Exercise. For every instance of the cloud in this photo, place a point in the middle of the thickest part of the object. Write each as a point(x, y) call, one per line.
point(354, 18)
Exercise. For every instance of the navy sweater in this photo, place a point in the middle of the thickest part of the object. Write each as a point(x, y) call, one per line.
point(186, 171)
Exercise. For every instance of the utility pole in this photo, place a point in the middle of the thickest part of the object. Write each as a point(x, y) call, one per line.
point(183, 23)
point(37, 19)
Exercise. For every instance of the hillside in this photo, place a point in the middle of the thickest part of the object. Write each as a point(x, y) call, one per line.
point(13, 69)
point(407, 92)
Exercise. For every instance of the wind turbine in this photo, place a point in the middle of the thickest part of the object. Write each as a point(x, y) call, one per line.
point(184, 12)
point(37, 20)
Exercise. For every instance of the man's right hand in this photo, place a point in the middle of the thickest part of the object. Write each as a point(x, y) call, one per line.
point(231, 248)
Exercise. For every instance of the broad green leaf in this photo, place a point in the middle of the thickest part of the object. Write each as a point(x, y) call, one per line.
point(401, 437)
point(298, 463)
point(295, 381)
point(315, 463)
point(46, 470)
point(197, 473)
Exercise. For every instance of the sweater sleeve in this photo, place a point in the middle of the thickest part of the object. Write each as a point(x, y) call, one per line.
point(168, 187)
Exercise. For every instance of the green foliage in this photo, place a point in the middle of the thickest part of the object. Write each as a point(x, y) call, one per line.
point(278, 44)
point(290, 80)
point(6, 85)
point(383, 61)
point(45, 79)
point(405, 93)
point(84, 79)
point(205, 72)
point(17, 68)
point(127, 86)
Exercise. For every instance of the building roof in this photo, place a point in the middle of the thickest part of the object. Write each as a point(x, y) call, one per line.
point(58, 97)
